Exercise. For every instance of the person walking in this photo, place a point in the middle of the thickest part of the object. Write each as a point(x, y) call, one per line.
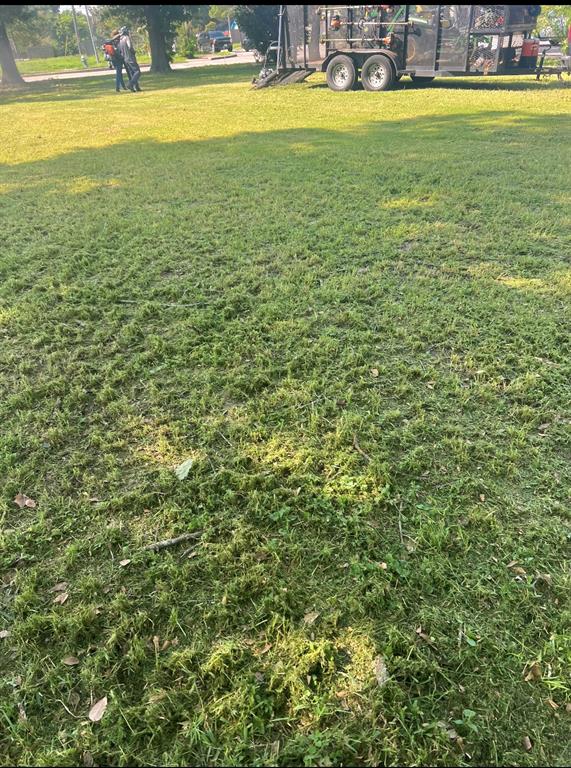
point(116, 60)
point(127, 51)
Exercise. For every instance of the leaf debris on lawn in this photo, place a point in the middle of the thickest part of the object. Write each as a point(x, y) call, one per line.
point(61, 598)
point(183, 469)
point(98, 710)
point(380, 670)
point(532, 672)
point(24, 501)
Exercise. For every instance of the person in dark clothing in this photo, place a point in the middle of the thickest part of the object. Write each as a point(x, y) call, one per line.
point(116, 60)
point(127, 51)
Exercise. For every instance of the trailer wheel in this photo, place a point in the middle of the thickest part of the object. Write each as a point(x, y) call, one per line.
point(421, 79)
point(341, 73)
point(377, 74)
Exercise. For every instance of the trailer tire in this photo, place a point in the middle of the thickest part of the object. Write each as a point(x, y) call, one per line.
point(377, 74)
point(421, 79)
point(341, 73)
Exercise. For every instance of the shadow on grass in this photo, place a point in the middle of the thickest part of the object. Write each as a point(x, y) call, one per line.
point(234, 296)
point(93, 87)
point(467, 83)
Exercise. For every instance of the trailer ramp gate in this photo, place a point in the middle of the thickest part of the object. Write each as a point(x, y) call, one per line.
point(286, 59)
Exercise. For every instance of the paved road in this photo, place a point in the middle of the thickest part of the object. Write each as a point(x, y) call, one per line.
point(242, 57)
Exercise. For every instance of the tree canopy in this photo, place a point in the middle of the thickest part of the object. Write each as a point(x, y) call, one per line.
point(554, 21)
point(161, 22)
point(258, 22)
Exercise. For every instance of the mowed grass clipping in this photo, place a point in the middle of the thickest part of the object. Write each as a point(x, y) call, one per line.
point(351, 311)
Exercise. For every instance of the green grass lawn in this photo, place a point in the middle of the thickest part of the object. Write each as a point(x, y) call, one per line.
point(351, 311)
point(71, 63)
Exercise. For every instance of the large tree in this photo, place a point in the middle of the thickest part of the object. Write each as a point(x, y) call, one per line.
point(9, 14)
point(258, 22)
point(161, 22)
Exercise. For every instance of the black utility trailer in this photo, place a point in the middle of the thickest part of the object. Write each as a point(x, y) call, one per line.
point(378, 44)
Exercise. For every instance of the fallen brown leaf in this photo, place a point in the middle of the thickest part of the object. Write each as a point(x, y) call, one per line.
point(311, 617)
point(98, 710)
point(519, 570)
point(265, 649)
point(374, 372)
point(125, 562)
point(24, 501)
point(533, 672)
point(70, 661)
point(552, 704)
point(526, 743)
point(511, 564)
point(60, 587)
point(61, 598)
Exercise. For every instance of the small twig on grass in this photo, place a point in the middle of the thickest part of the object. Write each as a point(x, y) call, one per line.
point(188, 551)
point(400, 529)
point(359, 449)
point(67, 709)
point(223, 436)
point(158, 545)
point(162, 303)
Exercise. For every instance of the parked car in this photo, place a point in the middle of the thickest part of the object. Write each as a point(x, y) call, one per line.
point(214, 41)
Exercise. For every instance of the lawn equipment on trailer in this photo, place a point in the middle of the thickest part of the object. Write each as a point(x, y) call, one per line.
point(378, 44)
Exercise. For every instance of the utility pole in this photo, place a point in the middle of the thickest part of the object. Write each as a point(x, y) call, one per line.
point(91, 33)
point(81, 55)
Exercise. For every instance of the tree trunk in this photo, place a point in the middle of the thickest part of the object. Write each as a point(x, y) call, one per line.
point(10, 74)
point(157, 40)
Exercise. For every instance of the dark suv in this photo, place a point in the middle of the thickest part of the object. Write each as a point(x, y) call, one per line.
point(218, 41)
